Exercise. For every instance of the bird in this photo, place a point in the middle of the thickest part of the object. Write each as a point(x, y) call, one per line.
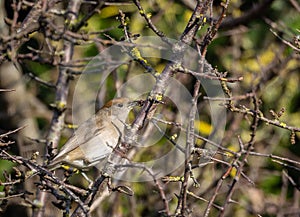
point(96, 137)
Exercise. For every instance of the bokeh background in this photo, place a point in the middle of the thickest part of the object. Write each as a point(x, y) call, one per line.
point(259, 40)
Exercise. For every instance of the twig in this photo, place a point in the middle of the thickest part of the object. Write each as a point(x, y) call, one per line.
point(7, 90)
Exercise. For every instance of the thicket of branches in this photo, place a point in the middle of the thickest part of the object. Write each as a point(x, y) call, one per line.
point(252, 51)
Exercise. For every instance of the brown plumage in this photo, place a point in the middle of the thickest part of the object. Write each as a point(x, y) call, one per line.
point(95, 139)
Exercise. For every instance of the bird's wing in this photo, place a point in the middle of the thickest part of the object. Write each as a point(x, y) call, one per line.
point(85, 132)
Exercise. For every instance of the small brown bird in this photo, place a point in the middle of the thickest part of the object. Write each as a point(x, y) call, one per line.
point(96, 138)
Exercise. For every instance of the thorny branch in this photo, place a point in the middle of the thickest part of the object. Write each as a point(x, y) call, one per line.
point(71, 33)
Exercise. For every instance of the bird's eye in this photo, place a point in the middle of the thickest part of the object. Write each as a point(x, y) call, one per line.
point(120, 105)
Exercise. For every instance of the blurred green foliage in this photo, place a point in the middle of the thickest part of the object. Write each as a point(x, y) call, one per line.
point(246, 50)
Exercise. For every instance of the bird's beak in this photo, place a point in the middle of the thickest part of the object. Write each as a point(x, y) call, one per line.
point(138, 102)
point(141, 102)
